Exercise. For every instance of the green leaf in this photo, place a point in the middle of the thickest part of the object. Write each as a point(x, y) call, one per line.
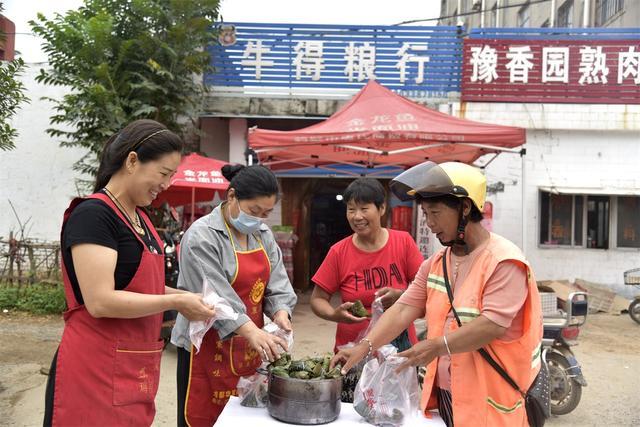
point(145, 111)
point(11, 97)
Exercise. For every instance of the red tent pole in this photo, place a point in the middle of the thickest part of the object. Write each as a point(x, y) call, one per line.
point(193, 203)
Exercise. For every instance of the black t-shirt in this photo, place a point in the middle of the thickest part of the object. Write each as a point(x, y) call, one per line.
point(92, 221)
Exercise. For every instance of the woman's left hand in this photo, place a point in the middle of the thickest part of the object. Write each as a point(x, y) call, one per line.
point(281, 318)
point(422, 353)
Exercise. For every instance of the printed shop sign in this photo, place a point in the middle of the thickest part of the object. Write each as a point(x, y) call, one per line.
point(336, 57)
point(563, 71)
point(203, 176)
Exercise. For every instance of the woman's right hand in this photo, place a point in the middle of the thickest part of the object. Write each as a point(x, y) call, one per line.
point(192, 307)
point(350, 357)
point(268, 346)
point(341, 314)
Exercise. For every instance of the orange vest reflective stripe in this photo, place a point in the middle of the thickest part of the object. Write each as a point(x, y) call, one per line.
point(480, 396)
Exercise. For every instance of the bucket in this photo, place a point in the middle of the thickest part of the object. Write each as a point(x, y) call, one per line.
point(309, 402)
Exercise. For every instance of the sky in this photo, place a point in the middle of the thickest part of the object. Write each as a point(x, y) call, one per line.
point(363, 12)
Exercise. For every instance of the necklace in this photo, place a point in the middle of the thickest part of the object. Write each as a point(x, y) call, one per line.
point(455, 270)
point(137, 225)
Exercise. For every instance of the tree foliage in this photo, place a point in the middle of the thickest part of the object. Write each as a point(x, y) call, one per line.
point(11, 96)
point(124, 60)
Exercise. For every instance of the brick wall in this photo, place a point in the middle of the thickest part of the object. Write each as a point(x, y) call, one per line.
point(8, 41)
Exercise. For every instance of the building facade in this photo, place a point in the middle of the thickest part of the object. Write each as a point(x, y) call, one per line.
point(8, 39)
point(535, 14)
point(569, 204)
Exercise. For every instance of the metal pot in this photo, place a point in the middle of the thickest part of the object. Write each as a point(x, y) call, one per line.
point(296, 401)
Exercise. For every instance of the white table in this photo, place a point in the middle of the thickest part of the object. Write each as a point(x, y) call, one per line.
point(235, 415)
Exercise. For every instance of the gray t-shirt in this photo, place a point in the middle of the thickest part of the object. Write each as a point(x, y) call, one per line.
point(206, 251)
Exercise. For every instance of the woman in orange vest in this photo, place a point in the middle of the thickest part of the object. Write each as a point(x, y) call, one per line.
point(494, 296)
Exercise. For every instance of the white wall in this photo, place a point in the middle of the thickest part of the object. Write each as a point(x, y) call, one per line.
point(237, 140)
point(215, 139)
point(37, 175)
point(592, 159)
point(568, 145)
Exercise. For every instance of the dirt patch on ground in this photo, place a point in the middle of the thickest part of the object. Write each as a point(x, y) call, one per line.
point(609, 352)
point(28, 345)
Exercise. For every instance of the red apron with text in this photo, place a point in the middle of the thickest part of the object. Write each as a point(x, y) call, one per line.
point(108, 370)
point(216, 369)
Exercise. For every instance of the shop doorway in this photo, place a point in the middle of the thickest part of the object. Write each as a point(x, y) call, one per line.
point(313, 207)
point(328, 221)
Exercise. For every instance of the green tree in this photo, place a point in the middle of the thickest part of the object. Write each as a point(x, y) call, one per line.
point(124, 60)
point(11, 96)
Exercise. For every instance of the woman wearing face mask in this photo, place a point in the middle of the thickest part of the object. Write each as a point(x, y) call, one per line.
point(107, 368)
point(237, 255)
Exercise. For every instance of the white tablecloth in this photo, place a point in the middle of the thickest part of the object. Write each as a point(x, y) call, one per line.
point(235, 415)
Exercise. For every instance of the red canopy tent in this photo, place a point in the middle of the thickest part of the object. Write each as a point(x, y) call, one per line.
point(197, 179)
point(378, 127)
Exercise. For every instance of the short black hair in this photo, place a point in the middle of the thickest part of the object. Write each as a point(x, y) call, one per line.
point(251, 181)
point(365, 190)
point(454, 203)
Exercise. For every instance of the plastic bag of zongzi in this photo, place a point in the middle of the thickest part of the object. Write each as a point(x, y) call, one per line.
point(385, 398)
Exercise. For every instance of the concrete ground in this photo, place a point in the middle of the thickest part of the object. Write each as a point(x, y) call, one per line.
point(22, 385)
point(609, 352)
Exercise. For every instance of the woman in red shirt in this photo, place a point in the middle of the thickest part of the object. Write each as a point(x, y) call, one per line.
point(373, 262)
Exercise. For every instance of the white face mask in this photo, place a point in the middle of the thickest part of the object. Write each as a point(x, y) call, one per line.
point(245, 223)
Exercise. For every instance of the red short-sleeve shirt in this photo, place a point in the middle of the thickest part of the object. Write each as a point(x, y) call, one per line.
point(357, 274)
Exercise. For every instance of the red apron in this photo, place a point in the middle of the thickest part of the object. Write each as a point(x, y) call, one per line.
point(108, 370)
point(216, 369)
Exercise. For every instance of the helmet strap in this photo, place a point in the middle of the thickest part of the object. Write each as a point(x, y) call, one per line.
point(460, 231)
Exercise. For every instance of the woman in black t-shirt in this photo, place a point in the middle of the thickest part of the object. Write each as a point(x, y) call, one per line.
point(106, 369)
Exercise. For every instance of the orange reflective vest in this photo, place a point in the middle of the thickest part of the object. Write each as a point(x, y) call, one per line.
point(480, 396)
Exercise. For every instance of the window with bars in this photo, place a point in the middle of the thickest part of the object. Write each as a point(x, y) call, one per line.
point(524, 16)
point(493, 16)
point(585, 221)
point(606, 9)
point(628, 222)
point(565, 15)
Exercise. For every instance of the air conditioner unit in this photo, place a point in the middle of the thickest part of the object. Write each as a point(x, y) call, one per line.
point(476, 4)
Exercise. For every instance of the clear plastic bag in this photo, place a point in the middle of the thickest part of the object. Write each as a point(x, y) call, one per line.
point(274, 329)
point(252, 390)
point(377, 310)
point(352, 377)
point(385, 398)
point(223, 311)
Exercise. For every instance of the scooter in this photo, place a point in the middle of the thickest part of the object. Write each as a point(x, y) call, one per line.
point(632, 278)
point(634, 309)
point(560, 333)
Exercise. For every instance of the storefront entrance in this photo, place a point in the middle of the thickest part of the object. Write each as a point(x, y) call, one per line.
point(328, 222)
